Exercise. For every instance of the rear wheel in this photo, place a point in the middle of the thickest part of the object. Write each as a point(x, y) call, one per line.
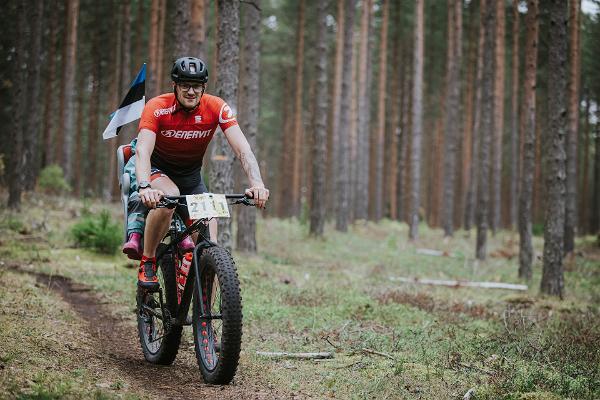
point(158, 338)
point(217, 317)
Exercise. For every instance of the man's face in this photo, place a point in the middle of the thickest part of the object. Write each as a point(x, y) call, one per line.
point(189, 93)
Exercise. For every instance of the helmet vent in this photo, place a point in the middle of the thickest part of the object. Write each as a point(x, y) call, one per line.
point(193, 69)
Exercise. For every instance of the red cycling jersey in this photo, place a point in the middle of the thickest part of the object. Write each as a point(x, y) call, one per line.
point(181, 136)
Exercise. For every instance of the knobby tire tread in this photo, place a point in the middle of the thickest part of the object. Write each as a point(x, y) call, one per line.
point(222, 263)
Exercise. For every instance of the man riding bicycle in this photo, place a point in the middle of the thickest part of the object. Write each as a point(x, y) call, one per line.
point(174, 132)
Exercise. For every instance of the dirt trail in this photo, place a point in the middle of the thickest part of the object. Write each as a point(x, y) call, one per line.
point(119, 349)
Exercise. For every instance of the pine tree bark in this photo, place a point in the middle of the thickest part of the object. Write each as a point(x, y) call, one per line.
point(221, 173)
point(417, 122)
point(318, 205)
point(471, 196)
point(298, 126)
point(555, 146)
point(379, 143)
point(362, 187)
point(336, 94)
point(498, 119)
point(49, 88)
point(246, 227)
point(93, 132)
point(467, 144)
point(19, 69)
point(160, 52)
point(31, 136)
point(198, 28)
point(584, 214)
point(595, 220)
point(68, 128)
point(452, 112)
point(487, 124)
point(343, 160)
point(152, 84)
point(514, 118)
point(183, 28)
point(528, 129)
point(573, 127)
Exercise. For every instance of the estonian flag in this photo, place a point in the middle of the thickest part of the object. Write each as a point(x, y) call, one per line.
point(131, 108)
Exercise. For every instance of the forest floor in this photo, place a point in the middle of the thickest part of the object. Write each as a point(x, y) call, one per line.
point(68, 329)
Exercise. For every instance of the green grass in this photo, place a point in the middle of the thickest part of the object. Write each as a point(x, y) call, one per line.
point(304, 294)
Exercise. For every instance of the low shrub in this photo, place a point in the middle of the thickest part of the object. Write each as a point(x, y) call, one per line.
point(52, 180)
point(97, 232)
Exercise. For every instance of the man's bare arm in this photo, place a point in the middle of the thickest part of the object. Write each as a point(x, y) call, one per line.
point(242, 150)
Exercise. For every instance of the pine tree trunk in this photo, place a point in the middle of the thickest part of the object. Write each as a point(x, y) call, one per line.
point(128, 132)
point(379, 143)
point(19, 68)
point(452, 112)
point(362, 187)
point(318, 205)
point(528, 128)
point(417, 122)
point(68, 128)
point(595, 220)
point(472, 190)
point(152, 84)
point(498, 119)
point(246, 227)
point(343, 160)
point(555, 146)
point(391, 182)
point(514, 118)
point(111, 184)
point(487, 125)
point(49, 88)
point(584, 214)
point(160, 52)
point(221, 176)
point(198, 28)
point(33, 122)
point(93, 132)
point(336, 95)
point(183, 28)
point(573, 127)
point(298, 126)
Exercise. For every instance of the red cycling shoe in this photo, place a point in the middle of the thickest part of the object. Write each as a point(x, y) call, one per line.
point(147, 274)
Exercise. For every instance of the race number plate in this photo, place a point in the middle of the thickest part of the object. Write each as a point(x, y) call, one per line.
point(207, 205)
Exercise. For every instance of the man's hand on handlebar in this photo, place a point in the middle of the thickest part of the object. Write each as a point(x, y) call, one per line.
point(260, 194)
point(150, 197)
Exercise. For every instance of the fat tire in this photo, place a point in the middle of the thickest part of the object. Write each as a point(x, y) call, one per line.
point(170, 342)
point(219, 260)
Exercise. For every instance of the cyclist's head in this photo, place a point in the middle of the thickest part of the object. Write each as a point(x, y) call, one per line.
point(189, 75)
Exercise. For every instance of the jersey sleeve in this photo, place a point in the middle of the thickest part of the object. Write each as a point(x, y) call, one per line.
point(149, 120)
point(226, 115)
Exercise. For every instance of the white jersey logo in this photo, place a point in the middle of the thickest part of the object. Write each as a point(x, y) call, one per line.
point(164, 111)
point(226, 114)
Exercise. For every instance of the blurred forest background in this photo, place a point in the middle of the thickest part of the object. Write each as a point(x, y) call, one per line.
point(458, 114)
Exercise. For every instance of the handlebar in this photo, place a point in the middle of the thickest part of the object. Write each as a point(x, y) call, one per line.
point(174, 201)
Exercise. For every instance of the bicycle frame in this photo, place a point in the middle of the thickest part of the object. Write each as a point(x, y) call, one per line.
point(194, 275)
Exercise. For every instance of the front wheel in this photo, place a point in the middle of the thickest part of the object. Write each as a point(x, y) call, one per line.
point(217, 317)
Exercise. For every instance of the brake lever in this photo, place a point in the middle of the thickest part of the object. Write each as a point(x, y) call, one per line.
point(245, 201)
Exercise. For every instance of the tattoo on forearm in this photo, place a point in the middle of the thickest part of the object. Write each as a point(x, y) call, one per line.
point(250, 166)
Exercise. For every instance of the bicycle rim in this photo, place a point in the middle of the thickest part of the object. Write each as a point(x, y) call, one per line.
point(210, 330)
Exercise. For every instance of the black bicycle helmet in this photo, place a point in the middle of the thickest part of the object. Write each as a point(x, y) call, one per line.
point(189, 69)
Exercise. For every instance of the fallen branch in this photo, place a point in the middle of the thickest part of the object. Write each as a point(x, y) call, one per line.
point(295, 356)
point(378, 353)
point(436, 253)
point(457, 284)
point(470, 394)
